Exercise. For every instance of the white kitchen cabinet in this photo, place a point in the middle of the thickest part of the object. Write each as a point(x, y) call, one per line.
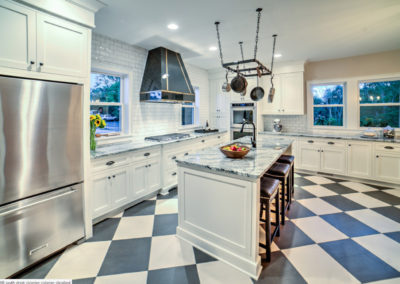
point(110, 191)
point(37, 42)
point(387, 162)
point(154, 175)
point(146, 177)
point(18, 36)
point(309, 156)
point(219, 105)
point(333, 159)
point(61, 46)
point(359, 159)
point(289, 95)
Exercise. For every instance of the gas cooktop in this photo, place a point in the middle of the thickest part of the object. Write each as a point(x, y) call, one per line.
point(167, 137)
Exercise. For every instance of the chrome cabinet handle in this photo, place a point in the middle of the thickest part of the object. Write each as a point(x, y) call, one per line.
point(110, 163)
point(389, 147)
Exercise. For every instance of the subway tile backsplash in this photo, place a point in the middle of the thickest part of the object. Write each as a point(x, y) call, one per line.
point(147, 118)
point(290, 123)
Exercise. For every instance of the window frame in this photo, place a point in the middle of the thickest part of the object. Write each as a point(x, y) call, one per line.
point(373, 104)
point(125, 102)
point(196, 111)
point(344, 104)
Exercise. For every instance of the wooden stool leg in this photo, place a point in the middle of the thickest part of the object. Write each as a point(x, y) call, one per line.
point(289, 190)
point(277, 213)
point(268, 231)
point(293, 178)
point(283, 201)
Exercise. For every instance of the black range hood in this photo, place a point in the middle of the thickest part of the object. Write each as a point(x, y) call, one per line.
point(165, 78)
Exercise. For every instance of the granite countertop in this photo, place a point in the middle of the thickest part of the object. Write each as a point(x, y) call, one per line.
point(122, 147)
point(331, 136)
point(251, 167)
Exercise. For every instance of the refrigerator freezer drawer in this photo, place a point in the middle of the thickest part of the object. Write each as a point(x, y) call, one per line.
point(36, 227)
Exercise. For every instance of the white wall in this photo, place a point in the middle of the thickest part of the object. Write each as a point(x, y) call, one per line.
point(147, 118)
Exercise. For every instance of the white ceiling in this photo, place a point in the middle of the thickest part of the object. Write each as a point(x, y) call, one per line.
point(307, 29)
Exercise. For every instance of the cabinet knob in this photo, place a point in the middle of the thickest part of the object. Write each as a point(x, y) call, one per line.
point(322, 150)
point(174, 174)
point(149, 166)
point(41, 64)
point(110, 163)
point(389, 147)
point(146, 154)
point(310, 141)
point(113, 176)
point(349, 144)
point(377, 156)
point(331, 143)
point(173, 158)
point(109, 177)
point(203, 141)
point(186, 154)
point(32, 62)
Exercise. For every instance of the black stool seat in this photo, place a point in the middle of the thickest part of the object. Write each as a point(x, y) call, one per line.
point(286, 159)
point(279, 169)
point(269, 187)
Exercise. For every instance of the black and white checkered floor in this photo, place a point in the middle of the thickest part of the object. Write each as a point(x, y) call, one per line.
point(337, 232)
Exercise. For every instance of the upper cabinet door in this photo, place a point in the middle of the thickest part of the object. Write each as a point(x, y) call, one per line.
point(61, 47)
point(276, 105)
point(292, 93)
point(17, 34)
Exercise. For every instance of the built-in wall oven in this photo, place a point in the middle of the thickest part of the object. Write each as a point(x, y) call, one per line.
point(240, 112)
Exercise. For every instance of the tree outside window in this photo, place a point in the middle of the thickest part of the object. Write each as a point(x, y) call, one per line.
point(328, 105)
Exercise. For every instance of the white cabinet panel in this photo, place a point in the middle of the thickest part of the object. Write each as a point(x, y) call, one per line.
point(153, 176)
point(61, 46)
point(18, 36)
point(333, 160)
point(119, 188)
point(309, 158)
point(359, 159)
point(387, 166)
point(292, 93)
point(139, 179)
point(101, 195)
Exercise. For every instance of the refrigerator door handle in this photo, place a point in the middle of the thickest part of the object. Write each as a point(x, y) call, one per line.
point(37, 202)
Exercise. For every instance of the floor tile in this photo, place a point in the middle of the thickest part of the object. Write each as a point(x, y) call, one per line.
point(383, 247)
point(82, 261)
point(280, 270)
point(301, 181)
point(339, 188)
point(387, 281)
point(318, 190)
point(336, 179)
point(123, 278)
point(325, 270)
point(218, 272)
point(119, 215)
point(319, 179)
point(298, 211)
point(104, 230)
point(297, 175)
point(378, 187)
point(365, 266)
point(125, 256)
point(291, 236)
point(40, 271)
point(342, 203)
point(175, 275)
point(318, 206)
point(393, 191)
point(167, 206)
point(165, 224)
point(173, 193)
point(319, 230)
point(365, 200)
point(389, 211)
point(360, 187)
point(348, 225)
point(134, 227)
point(300, 193)
point(84, 280)
point(146, 207)
point(201, 257)
point(170, 251)
point(375, 220)
point(394, 236)
point(385, 197)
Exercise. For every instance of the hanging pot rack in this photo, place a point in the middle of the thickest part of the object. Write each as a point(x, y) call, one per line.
point(234, 67)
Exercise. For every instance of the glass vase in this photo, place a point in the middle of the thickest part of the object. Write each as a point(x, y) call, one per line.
point(92, 139)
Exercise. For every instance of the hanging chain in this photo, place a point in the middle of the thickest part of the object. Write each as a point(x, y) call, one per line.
point(241, 52)
point(257, 30)
point(219, 42)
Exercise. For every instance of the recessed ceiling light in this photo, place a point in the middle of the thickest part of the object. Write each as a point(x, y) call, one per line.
point(213, 48)
point(173, 26)
point(277, 55)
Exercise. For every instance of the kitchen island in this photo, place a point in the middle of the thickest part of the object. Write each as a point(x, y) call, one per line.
point(218, 201)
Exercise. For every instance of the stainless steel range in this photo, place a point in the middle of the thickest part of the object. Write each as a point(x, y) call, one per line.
point(41, 170)
point(167, 137)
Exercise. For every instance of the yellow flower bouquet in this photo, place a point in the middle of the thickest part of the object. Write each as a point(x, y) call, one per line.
point(95, 122)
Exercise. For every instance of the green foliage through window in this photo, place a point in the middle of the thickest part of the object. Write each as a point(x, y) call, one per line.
point(328, 104)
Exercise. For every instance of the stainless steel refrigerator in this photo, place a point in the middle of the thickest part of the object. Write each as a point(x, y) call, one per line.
point(41, 170)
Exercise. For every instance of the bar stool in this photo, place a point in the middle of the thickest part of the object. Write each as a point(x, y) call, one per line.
point(269, 190)
point(281, 171)
point(288, 159)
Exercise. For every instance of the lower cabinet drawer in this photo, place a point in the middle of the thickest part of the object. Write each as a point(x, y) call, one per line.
point(171, 178)
point(36, 227)
point(109, 162)
point(389, 147)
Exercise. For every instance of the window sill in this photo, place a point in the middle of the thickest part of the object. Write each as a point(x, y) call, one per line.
point(112, 139)
point(189, 127)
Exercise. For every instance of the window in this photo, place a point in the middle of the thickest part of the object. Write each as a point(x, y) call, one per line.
point(106, 100)
point(328, 107)
point(380, 103)
point(190, 111)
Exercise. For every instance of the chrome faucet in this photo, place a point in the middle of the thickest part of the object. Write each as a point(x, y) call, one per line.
point(253, 139)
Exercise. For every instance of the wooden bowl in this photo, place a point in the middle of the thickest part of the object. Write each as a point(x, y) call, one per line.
point(235, 154)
